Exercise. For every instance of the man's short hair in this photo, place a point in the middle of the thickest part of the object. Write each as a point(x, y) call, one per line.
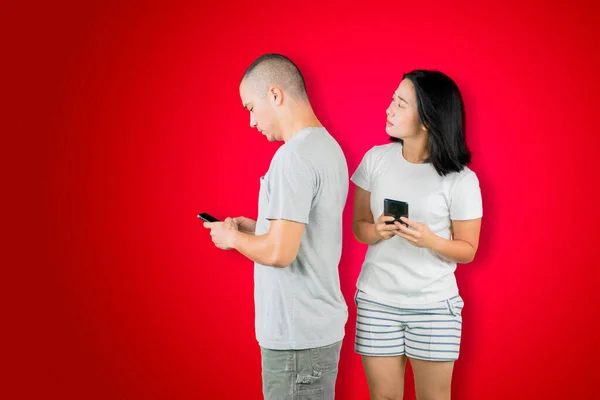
point(277, 70)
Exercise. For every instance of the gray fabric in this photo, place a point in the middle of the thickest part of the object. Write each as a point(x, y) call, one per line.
point(301, 306)
point(300, 374)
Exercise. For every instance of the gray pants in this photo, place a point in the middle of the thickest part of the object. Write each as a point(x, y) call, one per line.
point(300, 374)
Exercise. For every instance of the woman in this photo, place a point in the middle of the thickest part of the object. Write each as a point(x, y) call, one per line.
point(407, 298)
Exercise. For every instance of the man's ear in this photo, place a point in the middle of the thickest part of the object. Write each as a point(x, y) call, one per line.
point(276, 95)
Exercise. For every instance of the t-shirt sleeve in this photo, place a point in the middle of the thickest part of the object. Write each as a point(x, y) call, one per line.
point(363, 175)
point(465, 200)
point(292, 187)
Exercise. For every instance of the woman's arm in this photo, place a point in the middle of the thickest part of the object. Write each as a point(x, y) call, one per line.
point(461, 249)
point(364, 228)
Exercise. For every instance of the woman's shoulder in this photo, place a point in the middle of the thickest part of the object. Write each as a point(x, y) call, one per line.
point(381, 150)
point(467, 173)
point(466, 176)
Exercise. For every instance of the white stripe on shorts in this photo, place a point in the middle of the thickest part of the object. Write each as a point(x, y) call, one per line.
point(428, 332)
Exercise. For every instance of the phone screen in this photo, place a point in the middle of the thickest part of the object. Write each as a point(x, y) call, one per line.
point(395, 209)
point(207, 217)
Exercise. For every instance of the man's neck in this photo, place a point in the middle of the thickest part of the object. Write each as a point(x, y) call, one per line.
point(300, 118)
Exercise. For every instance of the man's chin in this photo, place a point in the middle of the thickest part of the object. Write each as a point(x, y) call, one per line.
point(269, 137)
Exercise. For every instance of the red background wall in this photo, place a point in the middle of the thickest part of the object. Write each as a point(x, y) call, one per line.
point(130, 116)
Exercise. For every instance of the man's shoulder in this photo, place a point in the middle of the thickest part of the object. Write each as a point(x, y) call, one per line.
point(310, 145)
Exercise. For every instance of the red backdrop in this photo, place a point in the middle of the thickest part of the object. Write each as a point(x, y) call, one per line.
point(133, 115)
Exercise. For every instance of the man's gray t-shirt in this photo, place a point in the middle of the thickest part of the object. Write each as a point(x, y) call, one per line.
point(301, 306)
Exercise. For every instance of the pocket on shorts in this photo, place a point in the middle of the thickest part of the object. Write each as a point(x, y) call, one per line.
point(455, 306)
point(277, 361)
point(325, 359)
point(310, 394)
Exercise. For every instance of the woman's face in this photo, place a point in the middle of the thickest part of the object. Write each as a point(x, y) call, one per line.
point(402, 114)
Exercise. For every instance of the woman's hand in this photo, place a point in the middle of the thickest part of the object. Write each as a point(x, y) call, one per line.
point(384, 231)
point(418, 234)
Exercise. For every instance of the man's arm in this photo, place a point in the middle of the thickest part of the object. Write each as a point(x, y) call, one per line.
point(291, 183)
point(277, 248)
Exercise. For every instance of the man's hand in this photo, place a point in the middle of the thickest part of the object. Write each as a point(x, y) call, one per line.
point(222, 233)
point(245, 225)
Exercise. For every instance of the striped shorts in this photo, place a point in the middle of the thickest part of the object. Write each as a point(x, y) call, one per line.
point(427, 332)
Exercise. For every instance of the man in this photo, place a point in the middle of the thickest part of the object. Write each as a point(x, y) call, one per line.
point(296, 242)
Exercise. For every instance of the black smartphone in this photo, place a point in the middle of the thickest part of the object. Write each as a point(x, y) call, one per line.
point(207, 217)
point(396, 209)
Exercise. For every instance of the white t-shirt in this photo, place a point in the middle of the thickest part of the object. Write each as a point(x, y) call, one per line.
point(301, 306)
point(394, 269)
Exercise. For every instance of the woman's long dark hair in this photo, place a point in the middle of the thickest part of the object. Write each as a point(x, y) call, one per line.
point(441, 110)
